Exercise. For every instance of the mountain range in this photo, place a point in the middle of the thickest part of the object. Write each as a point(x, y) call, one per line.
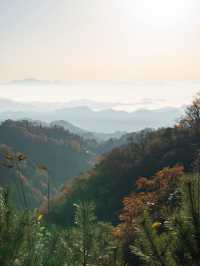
point(101, 121)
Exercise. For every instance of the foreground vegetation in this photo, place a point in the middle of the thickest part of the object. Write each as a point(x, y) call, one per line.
point(26, 239)
point(160, 225)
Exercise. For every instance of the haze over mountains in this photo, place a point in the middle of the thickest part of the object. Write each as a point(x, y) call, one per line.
point(81, 103)
point(118, 95)
point(83, 116)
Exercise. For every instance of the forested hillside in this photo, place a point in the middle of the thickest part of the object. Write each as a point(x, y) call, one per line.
point(146, 153)
point(64, 154)
point(87, 135)
point(61, 152)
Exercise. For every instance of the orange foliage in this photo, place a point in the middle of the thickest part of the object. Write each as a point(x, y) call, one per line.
point(134, 205)
point(168, 175)
point(154, 189)
point(144, 183)
point(161, 179)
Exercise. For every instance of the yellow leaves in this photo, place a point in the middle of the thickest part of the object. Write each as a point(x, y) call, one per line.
point(21, 157)
point(9, 157)
point(17, 157)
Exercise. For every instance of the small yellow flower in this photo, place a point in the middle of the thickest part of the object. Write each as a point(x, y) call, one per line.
point(156, 225)
point(39, 218)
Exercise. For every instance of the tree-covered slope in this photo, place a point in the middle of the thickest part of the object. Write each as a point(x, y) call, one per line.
point(115, 175)
point(64, 154)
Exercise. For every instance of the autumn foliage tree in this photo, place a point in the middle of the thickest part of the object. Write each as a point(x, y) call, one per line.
point(153, 194)
point(175, 240)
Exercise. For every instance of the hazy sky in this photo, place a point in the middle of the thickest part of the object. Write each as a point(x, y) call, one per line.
point(99, 39)
point(128, 96)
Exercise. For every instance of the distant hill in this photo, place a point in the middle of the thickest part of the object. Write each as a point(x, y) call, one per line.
point(29, 82)
point(64, 154)
point(108, 121)
point(100, 137)
point(104, 121)
point(73, 129)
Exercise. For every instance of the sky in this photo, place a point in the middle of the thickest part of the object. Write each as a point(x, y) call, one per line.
point(118, 40)
point(141, 53)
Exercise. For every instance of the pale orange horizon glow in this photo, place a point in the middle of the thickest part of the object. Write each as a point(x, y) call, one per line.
point(100, 39)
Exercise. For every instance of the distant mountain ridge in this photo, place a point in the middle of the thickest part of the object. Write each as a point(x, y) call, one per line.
point(29, 82)
point(103, 121)
point(87, 134)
